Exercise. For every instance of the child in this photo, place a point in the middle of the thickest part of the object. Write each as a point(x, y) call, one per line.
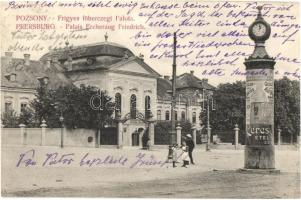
point(174, 155)
point(185, 155)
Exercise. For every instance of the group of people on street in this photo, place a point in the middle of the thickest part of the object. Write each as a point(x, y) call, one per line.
point(187, 148)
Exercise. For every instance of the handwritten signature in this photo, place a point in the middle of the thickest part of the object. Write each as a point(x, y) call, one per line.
point(28, 159)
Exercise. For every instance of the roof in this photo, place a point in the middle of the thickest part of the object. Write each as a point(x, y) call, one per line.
point(186, 80)
point(105, 62)
point(27, 76)
point(95, 49)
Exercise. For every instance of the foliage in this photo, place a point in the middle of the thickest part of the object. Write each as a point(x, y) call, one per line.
point(229, 103)
point(287, 106)
point(10, 119)
point(73, 104)
point(163, 128)
point(27, 117)
point(229, 107)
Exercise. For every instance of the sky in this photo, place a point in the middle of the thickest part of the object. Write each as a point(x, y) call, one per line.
point(208, 33)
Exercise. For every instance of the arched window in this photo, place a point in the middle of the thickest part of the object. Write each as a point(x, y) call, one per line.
point(167, 115)
point(159, 115)
point(147, 106)
point(118, 103)
point(133, 104)
point(194, 117)
point(183, 115)
point(176, 115)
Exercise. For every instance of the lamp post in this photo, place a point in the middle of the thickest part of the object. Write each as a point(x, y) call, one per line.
point(172, 136)
point(208, 98)
point(62, 129)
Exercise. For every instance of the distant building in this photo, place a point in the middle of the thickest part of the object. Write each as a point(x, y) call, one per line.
point(138, 89)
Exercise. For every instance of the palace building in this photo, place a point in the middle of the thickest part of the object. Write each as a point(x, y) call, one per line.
point(137, 88)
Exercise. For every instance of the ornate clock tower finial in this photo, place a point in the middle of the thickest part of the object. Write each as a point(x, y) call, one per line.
point(259, 32)
point(259, 15)
point(259, 149)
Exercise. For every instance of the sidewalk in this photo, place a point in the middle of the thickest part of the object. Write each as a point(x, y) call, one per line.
point(58, 176)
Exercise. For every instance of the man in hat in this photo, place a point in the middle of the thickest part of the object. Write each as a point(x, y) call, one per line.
point(190, 145)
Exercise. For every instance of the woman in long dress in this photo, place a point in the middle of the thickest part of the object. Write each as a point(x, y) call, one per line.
point(185, 156)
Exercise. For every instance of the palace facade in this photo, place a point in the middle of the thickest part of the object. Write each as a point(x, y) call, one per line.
point(112, 68)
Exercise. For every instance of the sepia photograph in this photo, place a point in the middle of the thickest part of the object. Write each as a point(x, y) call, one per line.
point(150, 99)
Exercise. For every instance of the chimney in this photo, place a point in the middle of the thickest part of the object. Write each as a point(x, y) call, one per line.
point(48, 61)
point(69, 63)
point(205, 80)
point(8, 57)
point(167, 77)
point(11, 76)
point(191, 72)
point(55, 59)
point(43, 80)
point(26, 59)
point(141, 56)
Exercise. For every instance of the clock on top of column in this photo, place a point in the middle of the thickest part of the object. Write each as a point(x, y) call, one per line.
point(259, 30)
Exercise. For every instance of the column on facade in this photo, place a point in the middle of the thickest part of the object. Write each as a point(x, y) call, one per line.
point(22, 134)
point(179, 134)
point(43, 132)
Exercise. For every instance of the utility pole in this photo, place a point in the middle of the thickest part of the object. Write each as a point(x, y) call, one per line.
point(172, 136)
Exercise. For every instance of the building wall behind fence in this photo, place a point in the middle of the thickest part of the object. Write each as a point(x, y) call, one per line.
point(33, 136)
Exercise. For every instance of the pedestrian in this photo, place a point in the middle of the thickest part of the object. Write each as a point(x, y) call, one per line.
point(190, 145)
point(148, 144)
point(185, 154)
point(174, 155)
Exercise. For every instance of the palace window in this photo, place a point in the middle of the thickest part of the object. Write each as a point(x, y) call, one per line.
point(23, 106)
point(159, 115)
point(8, 106)
point(133, 106)
point(118, 103)
point(183, 115)
point(167, 115)
point(194, 117)
point(147, 106)
point(176, 115)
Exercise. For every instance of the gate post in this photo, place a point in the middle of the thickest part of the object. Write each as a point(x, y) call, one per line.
point(179, 134)
point(236, 130)
point(194, 135)
point(120, 135)
point(151, 131)
point(23, 134)
point(279, 137)
point(119, 131)
point(43, 132)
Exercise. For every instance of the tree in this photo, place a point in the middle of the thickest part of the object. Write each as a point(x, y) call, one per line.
point(229, 101)
point(27, 117)
point(10, 119)
point(287, 106)
point(74, 105)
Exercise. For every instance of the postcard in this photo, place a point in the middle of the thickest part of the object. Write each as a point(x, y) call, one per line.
point(150, 99)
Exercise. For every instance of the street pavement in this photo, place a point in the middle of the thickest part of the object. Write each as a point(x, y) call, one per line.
point(131, 172)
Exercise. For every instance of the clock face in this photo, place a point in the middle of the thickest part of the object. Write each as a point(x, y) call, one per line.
point(259, 29)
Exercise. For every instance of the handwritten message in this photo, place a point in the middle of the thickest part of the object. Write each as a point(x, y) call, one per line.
point(212, 36)
point(53, 159)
